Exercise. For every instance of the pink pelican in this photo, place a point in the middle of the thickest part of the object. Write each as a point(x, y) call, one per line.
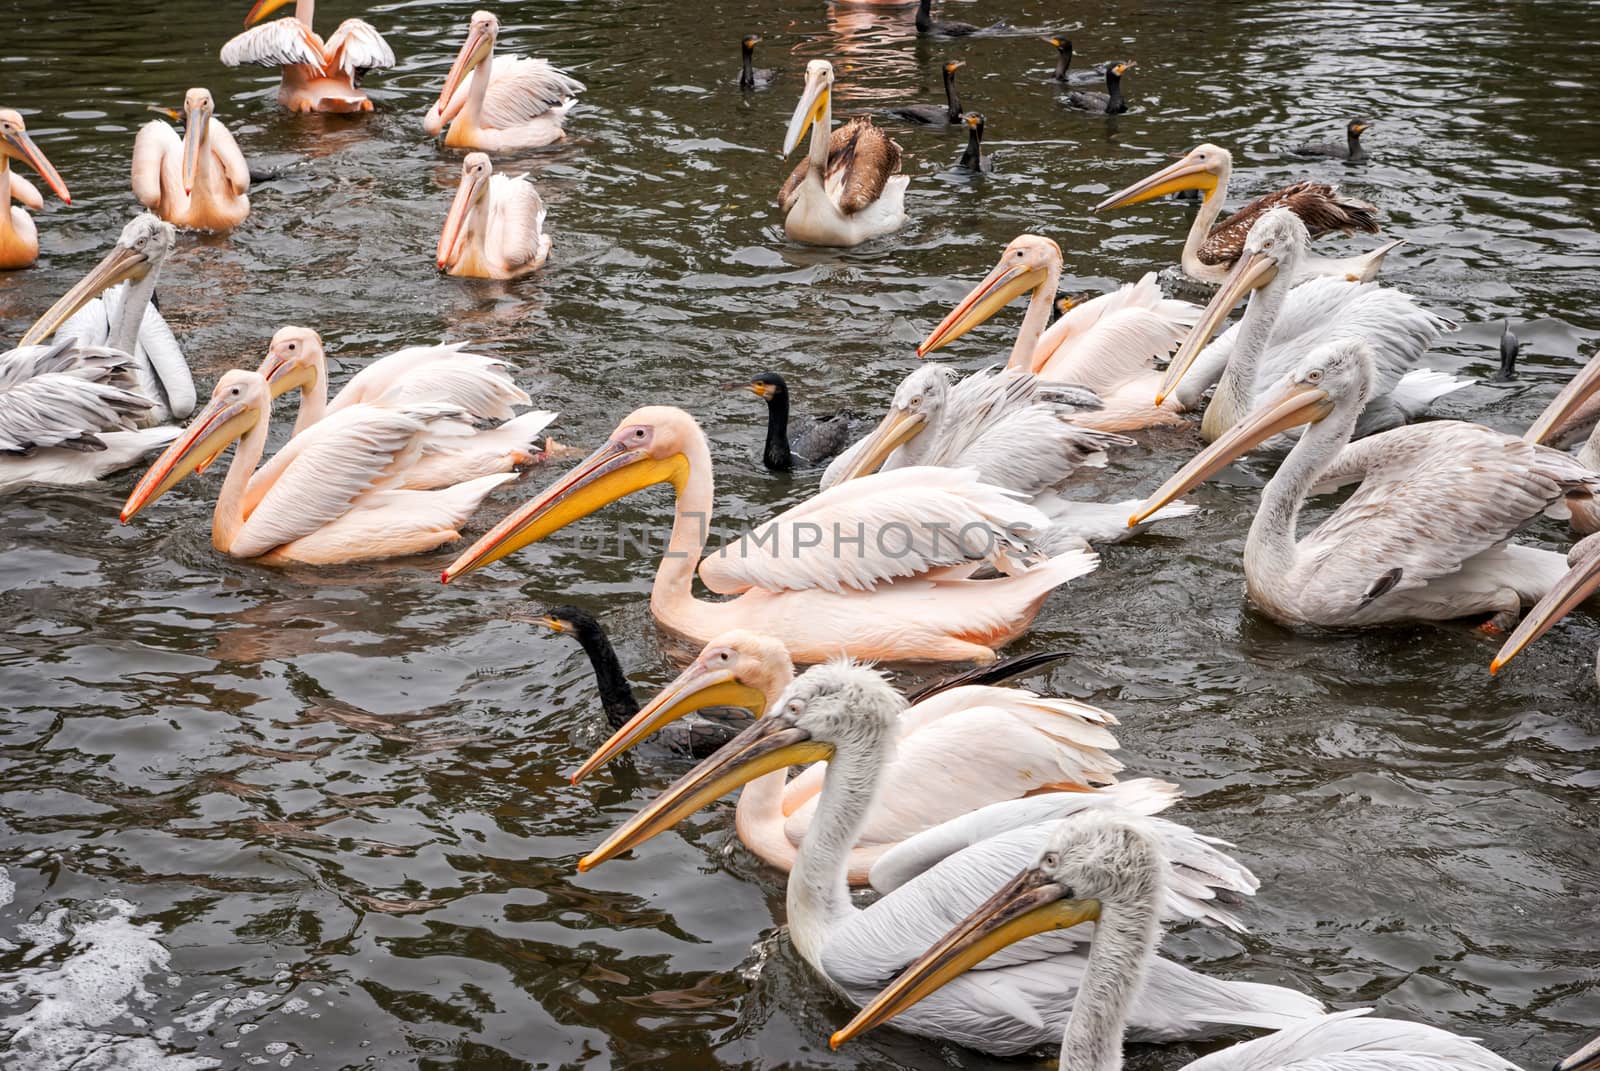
point(317, 76)
point(509, 103)
point(495, 229)
point(199, 181)
point(19, 239)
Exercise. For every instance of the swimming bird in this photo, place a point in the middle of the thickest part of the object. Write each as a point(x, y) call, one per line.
point(1019, 743)
point(858, 587)
point(495, 228)
point(1211, 247)
point(1013, 432)
point(751, 76)
point(927, 25)
point(481, 387)
point(113, 306)
point(1580, 581)
point(1426, 535)
point(1063, 46)
point(1108, 103)
point(1349, 149)
point(849, 187)
point(318, 76)
point(1510, 350)
point(1282, 320)
point(947, 114)
point(972, 157)
point(1110, 870)
point(699, 738)
point(70, 414)
point(1107, 344)
point(199, 181)
point(19, 238)
point(808, 440)
point(330, 495)
point(508, 102)
point(847, 715)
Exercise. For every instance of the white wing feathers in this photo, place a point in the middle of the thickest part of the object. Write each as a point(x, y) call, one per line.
point(882, 527)
point(516, 220)
point(155, 143)
point(1353, 1041)
point(63, 395)
point(418, 374)
point(356, 47)
point(521, 90)
point(279, 43)
point(25, 192)
point(322, 472)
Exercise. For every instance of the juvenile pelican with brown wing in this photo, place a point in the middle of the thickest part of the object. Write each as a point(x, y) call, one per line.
point(849, 187)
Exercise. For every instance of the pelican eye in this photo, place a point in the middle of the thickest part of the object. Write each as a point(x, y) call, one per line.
point(794, 708)
point(1314, 376)
point(1050, 861)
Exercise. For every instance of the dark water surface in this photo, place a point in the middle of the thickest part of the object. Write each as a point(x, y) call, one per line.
point(319, 818)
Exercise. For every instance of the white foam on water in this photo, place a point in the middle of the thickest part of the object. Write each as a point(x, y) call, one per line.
point(8, 888)
point(103, 960)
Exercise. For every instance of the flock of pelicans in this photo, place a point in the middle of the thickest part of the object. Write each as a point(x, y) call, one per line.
point(1023, 887)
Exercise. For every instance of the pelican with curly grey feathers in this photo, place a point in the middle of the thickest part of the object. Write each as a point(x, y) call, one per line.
point(500, 103)
point(1015, 431)
point(495, 228)
point(868, 568)
point(113, 307)
point(19, 238)
point(331, 495)
point(848, 715)
point(70, 414)
point(849, 187)
point(1426, 536)
point(1108, 344)
point(1282, 319)
point(318, 76)
point(1012, 743)
point(1112, 870)
point(1211, 247)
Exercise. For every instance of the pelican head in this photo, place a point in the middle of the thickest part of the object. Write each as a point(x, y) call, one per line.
point(918, 401)
point(736, 669)
point(295, 360)
point(652, 445)
point(1204, 167)
point(474, 187)
point(815, 103)
point(1093, 862)
point(1026, 263)
point(1275, 246)
point(839, 705)
point(1331, 375)
point(481, 34)
point(237, 404)
point(1585, 1059)
point(263, 8)
point(1580, 581)
point(197, 111)
point(143, 247)
point(15, 144)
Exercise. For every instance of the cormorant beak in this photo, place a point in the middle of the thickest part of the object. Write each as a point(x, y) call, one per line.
point(1253, 270)
point(454, 233)
point(772, 743)
point(1576, 585)
point(898, 427)
point(611, 472)
point(696, 688)
point(220, 423)
point(21, 147)
point(953, 66)
point(760, 390)
point(478, 47)
point(1585, 1059)
point(119, 265)
point(1292, 405)
point(262, 9)
point(1009, 279)
point(812, 107)
point(1123, 68)
point(1186, 174)
point(1566, 404)
point(1029, 904)
point(553, 623)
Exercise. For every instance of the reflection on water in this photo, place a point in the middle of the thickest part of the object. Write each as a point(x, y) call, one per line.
point(320, 818)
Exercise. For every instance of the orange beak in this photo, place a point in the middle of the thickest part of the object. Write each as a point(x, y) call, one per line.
point(23, 148)
point(454, 234)
point(219, 423)
point(478, 48)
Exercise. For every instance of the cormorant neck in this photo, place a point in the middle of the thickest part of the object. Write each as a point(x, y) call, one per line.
point(777, 455)
point(616, 698)
point(924, 16)
point(747, 75)
point(952, 102)
point(1354, 141)
point(973, 156)
point(1114, 88)
point(1063, 61)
